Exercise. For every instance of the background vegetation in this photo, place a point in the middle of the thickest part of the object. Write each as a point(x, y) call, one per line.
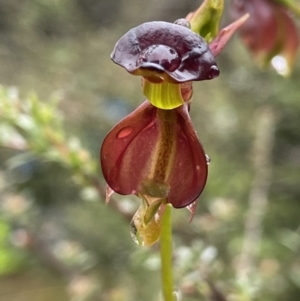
point(61, 94)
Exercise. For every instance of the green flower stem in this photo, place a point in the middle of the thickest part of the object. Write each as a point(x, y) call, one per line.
point(166, 255)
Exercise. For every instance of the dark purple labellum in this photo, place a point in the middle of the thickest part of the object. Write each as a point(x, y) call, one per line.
point(172, 52)
point(161, 55)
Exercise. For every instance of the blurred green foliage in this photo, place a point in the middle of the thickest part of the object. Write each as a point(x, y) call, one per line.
point(58, 239)
point(10, 259)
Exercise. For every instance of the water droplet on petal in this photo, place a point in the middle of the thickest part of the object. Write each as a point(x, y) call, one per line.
point(183, 22)
point(125, 132)
point(208, 159)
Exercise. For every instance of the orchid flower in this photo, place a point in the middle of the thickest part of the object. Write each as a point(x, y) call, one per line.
point(270, 33)
point(167, 54)
point(154, 153)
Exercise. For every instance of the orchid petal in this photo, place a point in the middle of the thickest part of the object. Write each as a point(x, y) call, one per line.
point(155, 153)
point(109, 193)
point(190, 166)
point(126, 139)
point(217, 45)
point(192, 209)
